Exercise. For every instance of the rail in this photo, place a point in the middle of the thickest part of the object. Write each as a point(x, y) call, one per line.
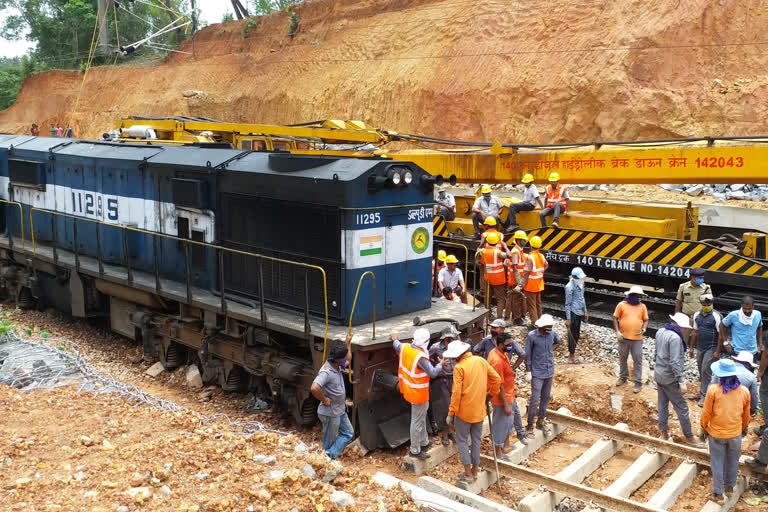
point(220, 250)
point(21, 221)
point(352, 313)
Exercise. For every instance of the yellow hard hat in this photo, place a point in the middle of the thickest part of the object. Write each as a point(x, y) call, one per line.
point(535, 242)
point(451, 259)
point(554, 177)
point(492, 238)
point(486, 189)
point(441, 255)
point(520, 234)
point(528, 178)
point(490, 221)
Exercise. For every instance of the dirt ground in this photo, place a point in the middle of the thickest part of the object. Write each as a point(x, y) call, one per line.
point(62, 451)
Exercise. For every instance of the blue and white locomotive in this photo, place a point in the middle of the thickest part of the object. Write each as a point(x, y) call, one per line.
point(248, 264)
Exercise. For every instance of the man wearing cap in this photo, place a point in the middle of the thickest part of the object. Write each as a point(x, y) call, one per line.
point(746, 328)
point(531, 198)
point(506, 416)
point(446, 204)
point(630, 320)
point(540, 361)
point(328, 388)
point(557, 201)
point(669, 376)
point(704, 338)
point(414, 372)
point(486, 206)
point(488, 343)
point(441, 385)
point(473, 379)
point(515, 309)
point(451, 277)
point(688, 294)
point(575, 310)
point(725, 416)
point(745, 369)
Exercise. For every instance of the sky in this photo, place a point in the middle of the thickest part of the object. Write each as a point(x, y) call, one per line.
point(210, 10)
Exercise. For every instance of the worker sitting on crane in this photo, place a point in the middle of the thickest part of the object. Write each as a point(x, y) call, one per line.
point(486, 206)
point(557, 201)
point(437, 265)
point(451, 277)
point(446, 204)
point(530, 199)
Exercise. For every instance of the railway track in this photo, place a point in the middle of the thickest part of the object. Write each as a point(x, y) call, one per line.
point(661, 489)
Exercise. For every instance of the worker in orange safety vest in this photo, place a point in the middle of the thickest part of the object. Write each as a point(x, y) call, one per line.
point(413, 373)
point(557, 201)
point(492, 257)
point(533, 279)
point(491, 226)
point(515, 269)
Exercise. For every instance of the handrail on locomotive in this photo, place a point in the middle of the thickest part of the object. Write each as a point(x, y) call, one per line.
point(220, 250)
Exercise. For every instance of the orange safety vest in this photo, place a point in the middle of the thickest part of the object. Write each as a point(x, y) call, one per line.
point(536, 277)
point(414, 382)
point(556, 197)
point(494, 266)
point(521, 257)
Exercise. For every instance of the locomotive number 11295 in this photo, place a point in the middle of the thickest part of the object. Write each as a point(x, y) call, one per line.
point(93, 204)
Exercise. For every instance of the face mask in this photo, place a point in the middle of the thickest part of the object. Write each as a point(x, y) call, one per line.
point(508, 348)
point(343, 364)
point(487, 199)
point(706, 309)
point(547, 330)
point(699, 281)
point(442, 195)
point(633, 300)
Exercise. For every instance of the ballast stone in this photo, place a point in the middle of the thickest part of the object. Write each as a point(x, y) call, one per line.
point(342, 499)
point(194, 379)
point(155, 370)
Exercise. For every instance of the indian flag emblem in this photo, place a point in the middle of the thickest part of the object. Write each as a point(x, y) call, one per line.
point(370, 245)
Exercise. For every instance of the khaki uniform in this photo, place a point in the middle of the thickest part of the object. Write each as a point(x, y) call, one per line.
point(688, 295)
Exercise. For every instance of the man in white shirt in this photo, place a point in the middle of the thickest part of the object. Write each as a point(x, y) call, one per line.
point(446, 204)
point(486, 206)
point(451, 277)
point(531, 198)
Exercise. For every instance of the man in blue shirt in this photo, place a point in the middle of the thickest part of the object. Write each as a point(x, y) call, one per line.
point(746, 329)
point(575, 310)
point(540, 361)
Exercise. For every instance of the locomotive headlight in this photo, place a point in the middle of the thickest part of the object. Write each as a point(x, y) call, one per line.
point(395, 177)
point(408, 177)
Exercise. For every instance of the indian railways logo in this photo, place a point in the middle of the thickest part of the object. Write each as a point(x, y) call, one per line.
point(420, 240)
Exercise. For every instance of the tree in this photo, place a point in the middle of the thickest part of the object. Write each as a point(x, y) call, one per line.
point(10, 81)
point(63, 29)
point(262, 7)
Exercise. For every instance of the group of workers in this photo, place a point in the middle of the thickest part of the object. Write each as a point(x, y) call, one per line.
point(453, 378)
point(489, 207)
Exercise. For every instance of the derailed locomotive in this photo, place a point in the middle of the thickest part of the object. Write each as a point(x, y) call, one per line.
point(248, 264)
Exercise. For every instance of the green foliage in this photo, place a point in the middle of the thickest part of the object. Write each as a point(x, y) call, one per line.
point(63, 29)
point(294, 21)
point(44, 334)
point(262, 7)
point(249, 24)
point(5, 323)
point(28, 330)
point(228, 16)
point(10, 82)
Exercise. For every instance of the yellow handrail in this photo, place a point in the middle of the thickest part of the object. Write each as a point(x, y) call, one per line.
point(352, 314)
point(195, 242)
point(21, 219)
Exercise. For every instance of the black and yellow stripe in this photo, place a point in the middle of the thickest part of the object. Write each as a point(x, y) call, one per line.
point(660, 251)
point(438, 226)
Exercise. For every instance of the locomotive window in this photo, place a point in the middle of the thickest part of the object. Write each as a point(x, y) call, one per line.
point(24, 172)
point(188, 193)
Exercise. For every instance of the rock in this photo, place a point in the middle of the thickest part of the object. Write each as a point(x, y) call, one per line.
point(301, 448)
point(667, 186)
point(277, 474)
point(263, 495)
point(190, 93)
point(331, 474)
point(79, 476)
point(21, 482)
point(193, 378)
point(122, 508)
point(202, 476)
point(137, 479)
point(735, 195)
point(90, 494)
point(695, 190)
point(303, 491)
point(720, 188)
point(719, 197)
point(309, 471)
point(106, 445)
point(139, 492)
point(264, 459)
point(257, 404)
point(156, 369)
point(86, 441)
point(342, 499)
point(164, 490)
point(736, 188)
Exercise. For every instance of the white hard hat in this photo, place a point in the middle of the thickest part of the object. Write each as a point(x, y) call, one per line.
point(544, 321)
point(635, 289)
point(455, 349)
point(681, 319)
point(499, 322)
